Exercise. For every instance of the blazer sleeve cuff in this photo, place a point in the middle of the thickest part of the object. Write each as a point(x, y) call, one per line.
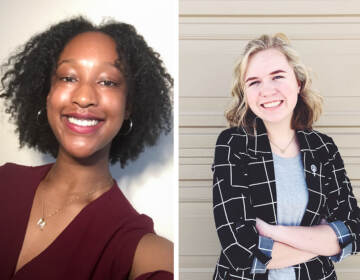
point(262, 255)
point(344, 238)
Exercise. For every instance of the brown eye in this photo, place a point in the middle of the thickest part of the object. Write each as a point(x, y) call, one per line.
point(109, 83)
point(68, 79)
point(253, 83)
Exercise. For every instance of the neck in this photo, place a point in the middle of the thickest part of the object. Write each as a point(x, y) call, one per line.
point(80, 176)
point(282, 139)
point(279, 131)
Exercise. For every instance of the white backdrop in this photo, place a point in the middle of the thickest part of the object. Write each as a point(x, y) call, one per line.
point(148, 182)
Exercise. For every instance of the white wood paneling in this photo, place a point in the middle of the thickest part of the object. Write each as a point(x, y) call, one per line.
point(212, 37)
point(263, 7)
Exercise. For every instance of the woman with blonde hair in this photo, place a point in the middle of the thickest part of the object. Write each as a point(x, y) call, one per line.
point(283, 205)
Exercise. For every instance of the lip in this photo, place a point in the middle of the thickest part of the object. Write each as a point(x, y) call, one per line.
point(82, 129)
point(87, 116)
point(272, 108)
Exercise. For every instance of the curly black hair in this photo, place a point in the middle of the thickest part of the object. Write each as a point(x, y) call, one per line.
point(27, 81)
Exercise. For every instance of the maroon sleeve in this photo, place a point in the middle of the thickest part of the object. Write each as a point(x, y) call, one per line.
point(156, 275)
point(126, 241)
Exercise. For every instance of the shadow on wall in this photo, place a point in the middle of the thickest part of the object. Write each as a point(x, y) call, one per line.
point(152, 162)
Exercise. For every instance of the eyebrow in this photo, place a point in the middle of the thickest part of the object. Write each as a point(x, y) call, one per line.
point(272, 73)
point(74, 61)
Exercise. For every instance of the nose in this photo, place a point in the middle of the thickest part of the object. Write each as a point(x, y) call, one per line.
point(85, 96)
point(267, 89)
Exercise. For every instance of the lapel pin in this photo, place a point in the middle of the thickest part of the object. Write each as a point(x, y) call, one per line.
point(313, 168)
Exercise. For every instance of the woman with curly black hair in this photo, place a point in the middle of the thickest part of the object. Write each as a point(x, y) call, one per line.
point(89, 96)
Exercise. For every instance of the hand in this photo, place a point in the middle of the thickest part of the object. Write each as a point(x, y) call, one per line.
point(323, 222)
point(263, 228)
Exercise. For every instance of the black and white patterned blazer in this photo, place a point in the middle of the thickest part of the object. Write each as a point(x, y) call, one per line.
point(244, 188)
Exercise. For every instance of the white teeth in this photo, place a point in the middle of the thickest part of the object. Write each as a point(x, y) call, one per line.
point(82, 122)
point(271, 104)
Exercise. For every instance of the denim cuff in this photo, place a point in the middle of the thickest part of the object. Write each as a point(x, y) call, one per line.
point(344, 238)
point(265, 246)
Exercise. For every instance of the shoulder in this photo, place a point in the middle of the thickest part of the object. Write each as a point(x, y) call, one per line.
point(152, 253)
point(322, 139)
point(126, 231)
point(231, 143)
point(124, 213)
point(320, 142)
point(18, 172)
point(121, 214)
point(136, 250)
point(136, 222)
point(15, 171)
point(316, 136)
point(232, 136)
point(12, 167)
point(17, 182)
point(129, 225)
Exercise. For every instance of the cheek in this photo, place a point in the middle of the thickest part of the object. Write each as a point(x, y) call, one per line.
point(116, 106)
point(55, 102)
point(58, 96)
point(291, 92)
point(251, 99)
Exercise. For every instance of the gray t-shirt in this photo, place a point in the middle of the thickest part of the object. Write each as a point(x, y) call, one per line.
point(292, 198)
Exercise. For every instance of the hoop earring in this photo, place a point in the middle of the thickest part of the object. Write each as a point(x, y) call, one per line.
point(38, 115)
point(129, 128)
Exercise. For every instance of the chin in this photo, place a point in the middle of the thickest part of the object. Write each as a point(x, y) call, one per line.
point(279, 120)
point(273, 120)
point(85, 153)
point(81, 155)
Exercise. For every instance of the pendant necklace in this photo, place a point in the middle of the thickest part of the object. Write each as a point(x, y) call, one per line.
point(283, 150)
point(43, 220)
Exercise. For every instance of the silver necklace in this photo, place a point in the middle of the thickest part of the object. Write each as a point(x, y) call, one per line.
point(43, 220)
point(283, 150)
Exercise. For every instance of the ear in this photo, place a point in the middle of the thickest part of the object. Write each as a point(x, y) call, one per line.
point(299, 86)
point(128, 108)
point(47, 100)
point(127, 114)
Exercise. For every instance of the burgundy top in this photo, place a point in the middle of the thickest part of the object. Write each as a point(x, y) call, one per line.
point(98, 244)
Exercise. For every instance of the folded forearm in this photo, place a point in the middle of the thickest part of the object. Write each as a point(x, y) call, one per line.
point(284, 255)
point(320, 239)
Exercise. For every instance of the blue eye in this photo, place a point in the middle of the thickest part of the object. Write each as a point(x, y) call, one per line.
point(109, 83)
point(278, 77)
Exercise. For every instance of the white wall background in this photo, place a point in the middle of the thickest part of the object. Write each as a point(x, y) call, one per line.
point(212, 36)
point(148, 182)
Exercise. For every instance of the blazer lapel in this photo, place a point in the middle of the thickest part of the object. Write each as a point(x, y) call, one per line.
point(261, 169)
point(314, 176)
point(262, 175)
point(261, 165)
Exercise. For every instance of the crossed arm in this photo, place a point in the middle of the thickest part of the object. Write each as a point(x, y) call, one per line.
point(238, 229)
point(297, 244)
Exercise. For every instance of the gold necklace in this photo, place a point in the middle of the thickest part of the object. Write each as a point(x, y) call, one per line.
point(43, 220)
point(283, 150)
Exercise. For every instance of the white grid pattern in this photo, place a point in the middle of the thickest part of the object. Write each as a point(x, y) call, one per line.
point(245, 160)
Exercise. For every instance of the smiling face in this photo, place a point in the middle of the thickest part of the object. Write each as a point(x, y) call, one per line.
point(271, 88)
point(86, 105)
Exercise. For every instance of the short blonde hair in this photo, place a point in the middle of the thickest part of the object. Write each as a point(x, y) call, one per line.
point(309, 105)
